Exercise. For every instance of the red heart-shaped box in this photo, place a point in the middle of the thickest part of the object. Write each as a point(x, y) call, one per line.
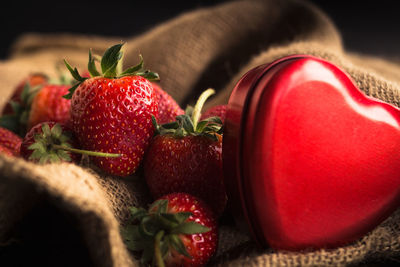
point(309, 160)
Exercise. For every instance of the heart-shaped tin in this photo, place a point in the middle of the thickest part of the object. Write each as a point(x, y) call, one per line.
point(309, 160)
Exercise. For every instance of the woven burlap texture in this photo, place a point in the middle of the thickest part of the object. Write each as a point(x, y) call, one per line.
point(209, 47)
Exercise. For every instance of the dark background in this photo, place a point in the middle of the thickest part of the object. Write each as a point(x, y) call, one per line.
point(367, 26)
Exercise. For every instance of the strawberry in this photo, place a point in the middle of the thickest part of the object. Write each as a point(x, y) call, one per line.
point(111, 112)
point(50, 142)
point(16, 112)
point(49, 105)
point(177, 230)
point(40, 104)
point(216, 111)
point(38, 143)
point(10, 141)
point(32, 81)
point(186, 156)
point(168, 109)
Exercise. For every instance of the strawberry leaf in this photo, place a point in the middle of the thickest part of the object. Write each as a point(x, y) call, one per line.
point(16, 107)
point(186, 123)
point(149, 75)
point(74, 72)
point(25, 92)
point(201, 125)
point(140, 71)
point(92, 66)
point(189, 110)
point(177, 218)
point(155, 125)
point(71, 91)
point(63, 155)
point(38, 146)
point(137, 213)
point(148, 226)
point(10, 122)
point(164, 247)
point(147, 254)
point(132, 238)
point(214, 119)
point(178, 245)
point(110, 60)
point(36, 155)
point(171, 125)
point(190, 228)
point(134, 69)
point(211, 136)
point(56, 131)
point(159, 206)
point(179, 133)
point(46, 130)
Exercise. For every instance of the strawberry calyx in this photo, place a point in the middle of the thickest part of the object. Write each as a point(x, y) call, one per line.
point(156, 232)
point(189, 124)
point(52, 145)
point(111, 67)
point(17, 121)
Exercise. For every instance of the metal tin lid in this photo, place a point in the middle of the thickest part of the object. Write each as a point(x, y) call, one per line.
point(295, 208)
point(237, 118)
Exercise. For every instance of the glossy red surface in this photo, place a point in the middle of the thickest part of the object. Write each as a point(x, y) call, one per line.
point(309, 160)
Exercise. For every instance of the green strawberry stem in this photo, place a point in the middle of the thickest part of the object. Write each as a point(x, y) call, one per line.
point(199, 106)
point(157, 250)
point(86, 152)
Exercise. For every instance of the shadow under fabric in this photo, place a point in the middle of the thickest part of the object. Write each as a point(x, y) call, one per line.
point(67, 215)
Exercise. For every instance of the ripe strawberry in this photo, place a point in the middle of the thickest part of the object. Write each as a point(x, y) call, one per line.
point(168, 109)
point(16, 112)
point(186, 156)
point(10, 141)
point(216, 111)
point(49, 142)
point(177, 230)
point(112, 113)
point(40, 143)
point(49, 105)
point(32, 81)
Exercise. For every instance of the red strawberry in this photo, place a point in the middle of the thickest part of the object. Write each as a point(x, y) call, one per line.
point(168, 109)
point(16, 112)
point(187, 157)
point(49, 105)
point(216, 111)
point(50, 142)
point(112, 113)
point(177, 230)
point(42, 143)
point(32, 81)
point(10, 141)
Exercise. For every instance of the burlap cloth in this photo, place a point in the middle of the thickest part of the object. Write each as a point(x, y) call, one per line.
point(66, 215)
